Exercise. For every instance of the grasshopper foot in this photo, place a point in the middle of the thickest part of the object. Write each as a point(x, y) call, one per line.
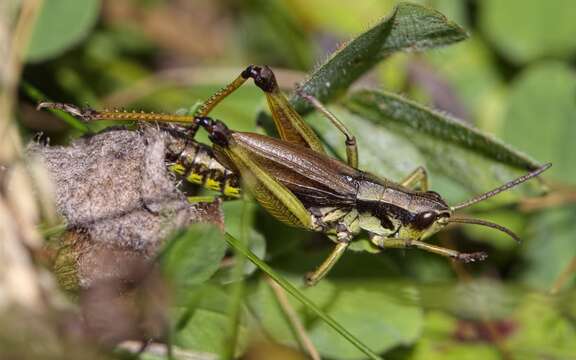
point(309, 279)
point(84, 114)
point(472, 257)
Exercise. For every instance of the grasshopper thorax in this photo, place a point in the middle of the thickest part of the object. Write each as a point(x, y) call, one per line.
point(392, 211)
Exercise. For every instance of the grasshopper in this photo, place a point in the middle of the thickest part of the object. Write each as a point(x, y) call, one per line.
point(295, 180)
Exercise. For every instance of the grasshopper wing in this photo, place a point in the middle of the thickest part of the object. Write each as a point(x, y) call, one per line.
point(271, 194)
point(315, 178)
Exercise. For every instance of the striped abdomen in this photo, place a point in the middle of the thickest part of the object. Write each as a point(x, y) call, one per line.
point(196, 163)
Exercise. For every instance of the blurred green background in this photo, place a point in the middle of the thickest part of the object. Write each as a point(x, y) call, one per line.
point(514, 78)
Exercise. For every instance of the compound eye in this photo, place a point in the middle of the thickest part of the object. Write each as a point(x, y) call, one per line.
point(425, 219)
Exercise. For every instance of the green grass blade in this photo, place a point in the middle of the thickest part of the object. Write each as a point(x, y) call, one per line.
point(410, 27)
point(238, 287)
point(35, 94)
point(240, 248)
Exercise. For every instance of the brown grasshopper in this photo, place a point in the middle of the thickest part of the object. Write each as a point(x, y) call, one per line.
point(299, 184)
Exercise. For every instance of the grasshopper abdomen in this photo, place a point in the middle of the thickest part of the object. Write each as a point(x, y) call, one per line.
point(196, 164)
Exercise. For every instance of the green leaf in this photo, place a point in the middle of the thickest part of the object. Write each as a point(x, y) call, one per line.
point(343, 18)
point(380, 107)
point(274, 24)
point(527, 30)
point(470, 71)
point(61, 25)
point(551, 248)
point(400, 158)
point(410, 27)
point(537, 327)
point(438, 342)
point(206, 326)
point(453, 9)
point(541, 116)
point(479, 299)
point(193, 256)
point(542, 331)
point(380, 320)
point(473, 159)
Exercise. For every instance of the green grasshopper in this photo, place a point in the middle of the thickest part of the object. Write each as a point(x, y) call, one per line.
point(299, 184)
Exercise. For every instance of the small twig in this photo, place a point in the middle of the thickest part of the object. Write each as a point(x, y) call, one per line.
point(554, 199)
point(564, 276)
point(293, 318)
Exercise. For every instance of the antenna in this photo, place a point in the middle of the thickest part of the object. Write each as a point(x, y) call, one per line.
point(502, 188)
point(486, 223)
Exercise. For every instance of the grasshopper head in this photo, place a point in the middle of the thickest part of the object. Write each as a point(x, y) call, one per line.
point(430, 212)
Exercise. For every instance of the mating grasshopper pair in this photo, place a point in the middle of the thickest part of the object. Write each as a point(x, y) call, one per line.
point(299, 184)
